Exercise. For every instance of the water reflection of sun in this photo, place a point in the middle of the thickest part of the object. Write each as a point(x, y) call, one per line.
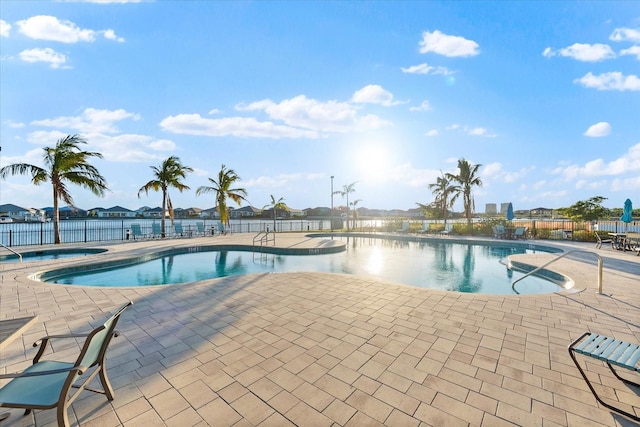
point(375, 262)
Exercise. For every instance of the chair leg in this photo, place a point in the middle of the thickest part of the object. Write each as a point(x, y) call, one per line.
point(63, 417)
point(106, 385)
point(593, 391)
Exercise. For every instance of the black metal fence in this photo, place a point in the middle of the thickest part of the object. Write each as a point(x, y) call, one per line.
point(95, 230)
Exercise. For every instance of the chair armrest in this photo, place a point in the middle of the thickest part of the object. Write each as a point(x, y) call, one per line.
point(48, 337)
point(80, 369)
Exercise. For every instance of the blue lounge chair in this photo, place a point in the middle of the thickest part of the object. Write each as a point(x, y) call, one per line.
point(156, 230)
point(136, 232)
point(46, 384)
point(179, 231)
point(200, 227)
point(611, 351)
point(520, 233)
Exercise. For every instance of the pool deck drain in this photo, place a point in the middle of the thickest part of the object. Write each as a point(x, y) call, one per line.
point(315, 349)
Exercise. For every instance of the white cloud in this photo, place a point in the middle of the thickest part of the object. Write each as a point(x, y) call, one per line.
point(610, 81)
point(45, 27)
point(5, 28)
point(426, 69)
point(443, 44)
point(424, 106)
point(306, 113)
point(583, 52)
point(407, 174)
point(629, 163)
point(432, 132)
point(492, 170)
point(111, 35)
point(48, 55)
point(625, 34)
point(91, 120)
point(248, 127)
point(374, 94)
point(633, 50)
point(598, 130)
point(214, 111)
point(481, 132)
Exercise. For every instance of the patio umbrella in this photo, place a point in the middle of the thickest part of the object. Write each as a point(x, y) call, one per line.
point(510, 214)
point(627, 211)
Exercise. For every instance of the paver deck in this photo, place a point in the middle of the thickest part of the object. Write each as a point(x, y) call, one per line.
point(314, 349)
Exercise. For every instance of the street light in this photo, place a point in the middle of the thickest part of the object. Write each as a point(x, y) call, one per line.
point(332, 203)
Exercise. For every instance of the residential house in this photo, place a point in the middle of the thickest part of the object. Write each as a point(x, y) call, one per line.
point(116, 212)
point(14, 212)
point(245, 212)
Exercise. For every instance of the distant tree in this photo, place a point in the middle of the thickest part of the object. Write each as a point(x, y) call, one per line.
point(355, 211)
point(445, 194)
point(170, 174)
point(465, 180)
point(346, 190)
point(275, 205)
point(586, 210)
point(430, 210)
point(223, 189)
point(65, 162)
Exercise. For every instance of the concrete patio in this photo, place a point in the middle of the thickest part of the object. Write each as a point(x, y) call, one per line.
point(314, 349)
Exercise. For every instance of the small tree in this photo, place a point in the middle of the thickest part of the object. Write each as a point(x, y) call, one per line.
point(586, 210)
point(275, 205)
point(346, 190)
point(223, 190)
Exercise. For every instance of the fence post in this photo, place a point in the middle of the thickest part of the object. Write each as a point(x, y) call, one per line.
point(10, 237)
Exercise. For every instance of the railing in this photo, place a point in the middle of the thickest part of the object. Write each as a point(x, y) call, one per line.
point(556, 259)
point(263, 238)
point(11, 250)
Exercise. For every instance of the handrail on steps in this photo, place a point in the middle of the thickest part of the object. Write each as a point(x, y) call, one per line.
point(11, 250)
point(263, 237)
point(513, 284)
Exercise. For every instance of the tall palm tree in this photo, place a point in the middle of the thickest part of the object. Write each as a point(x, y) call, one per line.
point(170, 174)
point(346, 190)
point(65, 162)
point(445, 194)
point(465, 180)
point(275, 205)
point(223, 189)
point(355, 211)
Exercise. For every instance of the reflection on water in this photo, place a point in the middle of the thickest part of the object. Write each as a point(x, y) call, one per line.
point(434, 265)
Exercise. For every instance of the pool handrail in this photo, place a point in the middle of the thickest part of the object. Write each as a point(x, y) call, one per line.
point(11, 250)
point(513, 284)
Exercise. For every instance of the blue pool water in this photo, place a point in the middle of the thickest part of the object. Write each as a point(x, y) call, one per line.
point(50, 254)
point(459, 267)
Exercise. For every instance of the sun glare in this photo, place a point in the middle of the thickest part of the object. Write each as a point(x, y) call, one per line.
point(372, 163)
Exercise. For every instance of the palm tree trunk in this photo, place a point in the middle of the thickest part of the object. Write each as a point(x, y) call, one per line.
point(164, 206)
point(56, 219)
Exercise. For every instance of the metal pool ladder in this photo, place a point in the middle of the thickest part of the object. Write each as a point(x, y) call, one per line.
point(513, 284)
point(11, 250)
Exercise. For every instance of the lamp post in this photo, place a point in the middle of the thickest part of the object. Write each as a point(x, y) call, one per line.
point(332, 203)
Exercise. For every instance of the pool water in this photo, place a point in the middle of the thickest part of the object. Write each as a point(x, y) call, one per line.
point(50, 254)
point(435, 265)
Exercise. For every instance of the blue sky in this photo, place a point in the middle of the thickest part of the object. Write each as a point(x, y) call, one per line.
point(544, 95)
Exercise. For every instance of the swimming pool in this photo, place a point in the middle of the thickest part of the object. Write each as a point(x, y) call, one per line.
point(463, 267)
point(50, 254)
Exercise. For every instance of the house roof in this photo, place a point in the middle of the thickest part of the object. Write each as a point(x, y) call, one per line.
point(11, 208)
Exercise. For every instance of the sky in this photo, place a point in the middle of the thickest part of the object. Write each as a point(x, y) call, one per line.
point(545, 96)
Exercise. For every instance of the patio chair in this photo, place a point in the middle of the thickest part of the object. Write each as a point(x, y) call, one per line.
point(600, 240)
point(611, 351)
point(200, 227)
point(156, 230)
point(136, 232)
point(46, 384)
point(448, 229)
point(498, 231)
point(520, 233)
point(179, 231)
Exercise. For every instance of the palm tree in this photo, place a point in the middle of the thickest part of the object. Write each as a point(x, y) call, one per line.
point(223, 190)
point(170, 174)
point(445, 194)
point(346, 190)
point(63, 163)
point(465, 180)
point(276, 204)
point(355, 212)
